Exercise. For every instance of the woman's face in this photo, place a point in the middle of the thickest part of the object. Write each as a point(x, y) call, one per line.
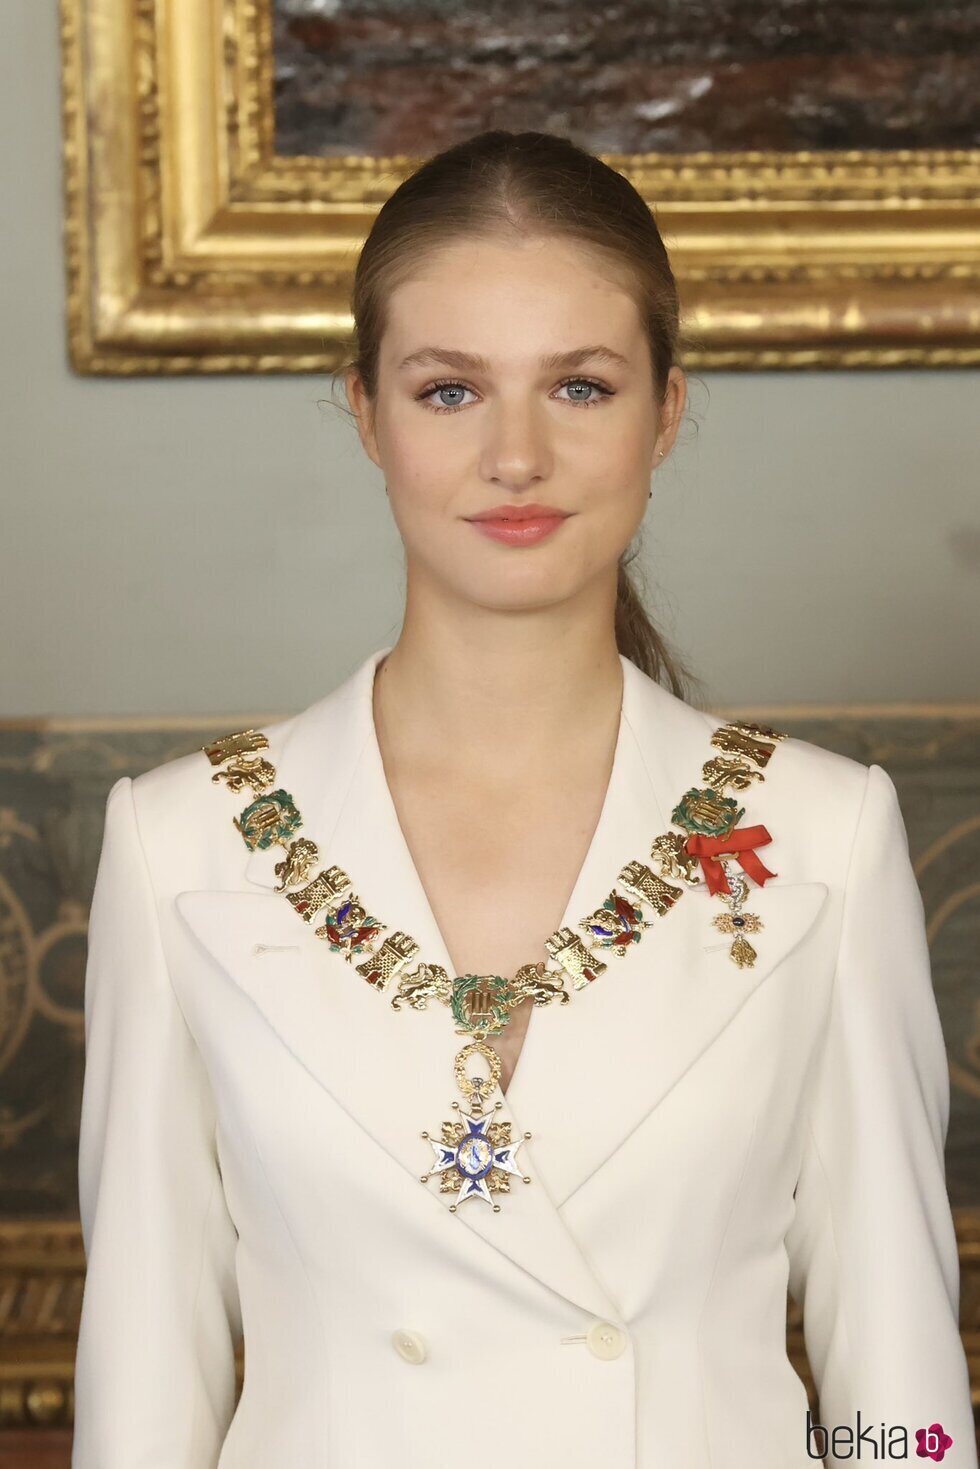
point(513, 375)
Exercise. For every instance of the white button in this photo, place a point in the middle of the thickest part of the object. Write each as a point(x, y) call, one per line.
point(409, 1345)
point(605, 1340)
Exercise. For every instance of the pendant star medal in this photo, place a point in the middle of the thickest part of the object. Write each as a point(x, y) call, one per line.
point(736, 922)
point(475, 1156)
point(716, 840)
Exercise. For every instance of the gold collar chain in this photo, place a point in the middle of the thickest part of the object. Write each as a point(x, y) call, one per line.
point(475, 1155)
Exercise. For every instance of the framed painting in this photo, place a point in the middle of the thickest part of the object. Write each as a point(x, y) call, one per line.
point(814, 170)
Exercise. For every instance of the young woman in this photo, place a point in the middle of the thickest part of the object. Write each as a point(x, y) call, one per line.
point(495, 1042)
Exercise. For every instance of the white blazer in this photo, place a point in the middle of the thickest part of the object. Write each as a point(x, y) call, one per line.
point(703, 1138)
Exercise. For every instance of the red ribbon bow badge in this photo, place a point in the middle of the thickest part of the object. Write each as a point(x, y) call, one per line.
point(740, 843)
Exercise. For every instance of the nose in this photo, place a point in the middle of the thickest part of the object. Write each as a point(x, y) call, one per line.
point(517, 452)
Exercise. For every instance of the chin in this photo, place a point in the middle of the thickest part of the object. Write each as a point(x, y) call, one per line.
point(528, 591)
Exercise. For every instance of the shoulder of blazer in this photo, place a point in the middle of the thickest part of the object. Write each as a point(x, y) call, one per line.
point(800, 778)
point(796, 762)
point(811, 802)
point(809, 798)
point(186, 830)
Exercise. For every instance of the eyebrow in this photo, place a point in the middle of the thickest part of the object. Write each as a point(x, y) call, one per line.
point(468, 362)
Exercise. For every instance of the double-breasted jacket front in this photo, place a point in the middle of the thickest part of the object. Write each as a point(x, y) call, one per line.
point(704, 1138)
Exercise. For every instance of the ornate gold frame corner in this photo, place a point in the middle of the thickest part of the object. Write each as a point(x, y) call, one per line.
point(191, 247)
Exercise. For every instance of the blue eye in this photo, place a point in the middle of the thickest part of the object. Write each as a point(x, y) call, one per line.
point(597, 392)
point(446, 387)
point(586, 382)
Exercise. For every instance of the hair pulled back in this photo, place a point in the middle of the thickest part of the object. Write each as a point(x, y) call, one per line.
point(529, 184)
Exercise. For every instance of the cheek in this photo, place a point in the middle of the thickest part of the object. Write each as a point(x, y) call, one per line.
point(423, 499)
point(615, 515)
point(424, 465)
point(613, 475)
point(627, 445)
point(612, 460)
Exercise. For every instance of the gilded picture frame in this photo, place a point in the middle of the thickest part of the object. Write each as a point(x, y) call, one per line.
point(191, 247)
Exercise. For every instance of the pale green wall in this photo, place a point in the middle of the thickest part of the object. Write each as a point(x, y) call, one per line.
point(212, 546)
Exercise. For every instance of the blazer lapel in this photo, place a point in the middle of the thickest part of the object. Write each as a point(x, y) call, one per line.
point(590, 1070)
point(625, 1041)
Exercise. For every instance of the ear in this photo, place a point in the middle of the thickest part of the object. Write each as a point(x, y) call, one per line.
point(362, 408)
point(672, 413)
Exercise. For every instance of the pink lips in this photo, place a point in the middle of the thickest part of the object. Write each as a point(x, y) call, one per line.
point(519, 525)
point(520, 532)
